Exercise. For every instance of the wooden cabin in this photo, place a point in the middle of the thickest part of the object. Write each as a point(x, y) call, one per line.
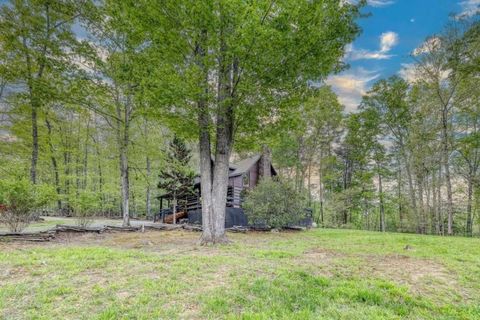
point(243, 175)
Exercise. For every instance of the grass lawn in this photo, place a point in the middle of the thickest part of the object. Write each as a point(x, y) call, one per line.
point(318, 274)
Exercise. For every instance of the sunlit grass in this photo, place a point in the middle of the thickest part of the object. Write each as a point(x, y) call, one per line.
point(320, 274)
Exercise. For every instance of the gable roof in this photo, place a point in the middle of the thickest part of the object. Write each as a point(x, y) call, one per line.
point(243, 166)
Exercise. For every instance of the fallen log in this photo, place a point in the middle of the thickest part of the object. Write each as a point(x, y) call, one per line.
point(67, 228)
point(122, 229)
point(29, 236)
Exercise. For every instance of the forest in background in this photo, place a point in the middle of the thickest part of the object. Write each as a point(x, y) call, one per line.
point(92, 95)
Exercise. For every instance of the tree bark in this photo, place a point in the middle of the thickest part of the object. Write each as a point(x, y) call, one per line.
point(56, 174)
point(204, 146)
point(320, 185)
point(149, 173)
point(411, 189)
point(34, 160)
point(224, 142)
point(446, 164)
point(123, 138)
point(380, 196)
point(469, 205)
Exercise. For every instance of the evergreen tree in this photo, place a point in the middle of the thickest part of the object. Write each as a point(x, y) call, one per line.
point(177, 177)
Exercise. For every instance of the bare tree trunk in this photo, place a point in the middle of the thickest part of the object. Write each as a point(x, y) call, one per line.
point(149, 173)
point(400, 199)
point(435, 222)
point(34, 160)
point(382, 207)
point(122, 138)
point(411, 189)
point(440, 226)
point(320, 185)
point(54, 164)
point(469, 205)
point(174, 208)
point(224, 141)
point(96, 142)
point(421, 218)
point(204, 146)
point(77, 161)
point(67, 160)
point(446, 164)
point(148, 191)
point(85, 156)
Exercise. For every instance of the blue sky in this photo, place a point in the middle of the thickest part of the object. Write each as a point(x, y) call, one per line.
point(394, 29)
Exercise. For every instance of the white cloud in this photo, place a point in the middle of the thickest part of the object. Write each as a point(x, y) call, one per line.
point(387, 41)
point(350, 86)
point(380, 3)
point(469, 8)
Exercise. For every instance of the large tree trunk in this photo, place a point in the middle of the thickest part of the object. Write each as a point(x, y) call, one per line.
point(204, 146)
point(224, 142)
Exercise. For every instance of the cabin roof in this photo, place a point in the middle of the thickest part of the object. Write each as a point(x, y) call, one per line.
point(243, 166)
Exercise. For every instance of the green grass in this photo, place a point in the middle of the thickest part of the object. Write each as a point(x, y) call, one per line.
point(319, 274)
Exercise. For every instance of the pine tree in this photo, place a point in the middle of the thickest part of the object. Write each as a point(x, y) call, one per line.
point(177, 177)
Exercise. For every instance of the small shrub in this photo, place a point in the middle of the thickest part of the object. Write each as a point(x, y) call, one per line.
point(84, 207)
point(20, 200)
point(275, 203)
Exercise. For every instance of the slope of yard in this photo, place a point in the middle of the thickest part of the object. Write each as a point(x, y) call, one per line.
point(318, 274)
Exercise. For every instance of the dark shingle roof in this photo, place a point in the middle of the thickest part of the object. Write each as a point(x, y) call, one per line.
point(243, 166)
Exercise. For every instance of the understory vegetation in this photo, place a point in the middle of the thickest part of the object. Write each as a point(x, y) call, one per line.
point(316, 274)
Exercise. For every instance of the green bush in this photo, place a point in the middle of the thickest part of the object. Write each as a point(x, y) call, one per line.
point(84, 207)
point(275, 203)
point(20, 201)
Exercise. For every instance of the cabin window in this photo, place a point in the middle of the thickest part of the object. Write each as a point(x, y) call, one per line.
point(246, 179)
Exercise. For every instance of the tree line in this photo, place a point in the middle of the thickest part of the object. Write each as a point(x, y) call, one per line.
point(408, 159)
point(92, 93)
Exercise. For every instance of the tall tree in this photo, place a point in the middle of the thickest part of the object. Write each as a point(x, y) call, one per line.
point(241, 55)
point(38, 39)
